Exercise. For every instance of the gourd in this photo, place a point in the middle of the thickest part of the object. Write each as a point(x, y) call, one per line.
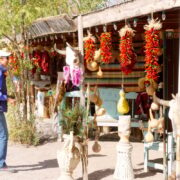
point(122, 106)
point(96, 147)
point(154, 106)
point(153, 123)
point(100, 112)
point(94, 65)
point(149, 137)
point(100, 73)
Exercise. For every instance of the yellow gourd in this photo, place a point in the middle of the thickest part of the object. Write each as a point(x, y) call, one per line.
point(122, 106)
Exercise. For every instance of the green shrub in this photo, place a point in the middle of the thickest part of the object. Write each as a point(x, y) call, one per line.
point(72, 119)
point(23, 132)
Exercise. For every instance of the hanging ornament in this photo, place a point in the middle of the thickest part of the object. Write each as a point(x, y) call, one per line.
point(135, 22)
point(149, 137)
point(106, 47)
point(94, 64)
point(115, 26)
point(100, 73)
point(96, 29)
point(122, 106)
point(152, 48)
point(89, 45)
point(45, 60)
point(163, 16)
point(127, 54)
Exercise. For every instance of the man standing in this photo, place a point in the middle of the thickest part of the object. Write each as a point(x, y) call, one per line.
point(3, 108)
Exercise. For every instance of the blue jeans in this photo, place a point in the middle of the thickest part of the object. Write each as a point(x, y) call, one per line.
point(3, 139)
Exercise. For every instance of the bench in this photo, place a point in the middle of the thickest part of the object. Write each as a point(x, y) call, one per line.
point(168, 149)
point(110, 97)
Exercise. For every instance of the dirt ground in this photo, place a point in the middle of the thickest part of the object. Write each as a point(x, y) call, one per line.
point(39, 163)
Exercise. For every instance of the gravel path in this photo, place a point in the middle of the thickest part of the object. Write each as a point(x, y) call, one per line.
point(39, 163)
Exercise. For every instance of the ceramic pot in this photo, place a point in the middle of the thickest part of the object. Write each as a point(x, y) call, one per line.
point(68, 159)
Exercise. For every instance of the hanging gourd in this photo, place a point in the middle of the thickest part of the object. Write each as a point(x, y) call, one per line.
point(149, 137)
point(153, 123)
point(100, 73)
point(106, 47)
point(127, 55)
point(122, 106)
point(152, 48)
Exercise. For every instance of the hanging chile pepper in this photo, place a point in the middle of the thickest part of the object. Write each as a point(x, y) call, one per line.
point(127, 55)
point(89, 45)
point(152, 49)
point(106, 47)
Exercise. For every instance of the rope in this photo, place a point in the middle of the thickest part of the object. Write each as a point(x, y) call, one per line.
point(122, 84)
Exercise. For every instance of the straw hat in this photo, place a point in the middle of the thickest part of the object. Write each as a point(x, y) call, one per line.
point(152, 85)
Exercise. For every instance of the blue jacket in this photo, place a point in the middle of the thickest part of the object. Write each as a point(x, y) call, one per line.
point(3, 90)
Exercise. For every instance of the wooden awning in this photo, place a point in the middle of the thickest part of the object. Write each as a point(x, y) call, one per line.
point(52, 25)
point(128, 10)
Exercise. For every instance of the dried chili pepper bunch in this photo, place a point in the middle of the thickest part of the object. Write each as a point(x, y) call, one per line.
point(152, 48)
point(127, 55)
point(89, 45)
point(106, 47)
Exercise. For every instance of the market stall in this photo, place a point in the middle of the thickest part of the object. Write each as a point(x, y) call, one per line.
point(148, 42)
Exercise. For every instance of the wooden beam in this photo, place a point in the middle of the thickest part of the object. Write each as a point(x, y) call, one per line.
point(80, 45)
point(179, 66)
point(127, 11)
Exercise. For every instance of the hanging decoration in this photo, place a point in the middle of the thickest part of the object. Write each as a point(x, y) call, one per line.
point(36, 60)
point(122, 106)
point(127, 55)
point(14, 65)
point(75, 75)
point(106, 47)
point(45, 60)
point(40, 61)
point(152, 48)
point(89, 45)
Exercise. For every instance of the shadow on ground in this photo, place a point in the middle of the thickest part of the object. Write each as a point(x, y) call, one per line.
point(100, 174)
point(51, 163)
point(146, 174)
point(139, 173)
point(158, 160)
point(96, 155)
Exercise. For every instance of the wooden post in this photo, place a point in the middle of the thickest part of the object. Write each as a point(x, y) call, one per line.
point(178, 136)
point(165, 95)
point(82, 96)
point(178, 157)
point(179, 67)
point(80, 45)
